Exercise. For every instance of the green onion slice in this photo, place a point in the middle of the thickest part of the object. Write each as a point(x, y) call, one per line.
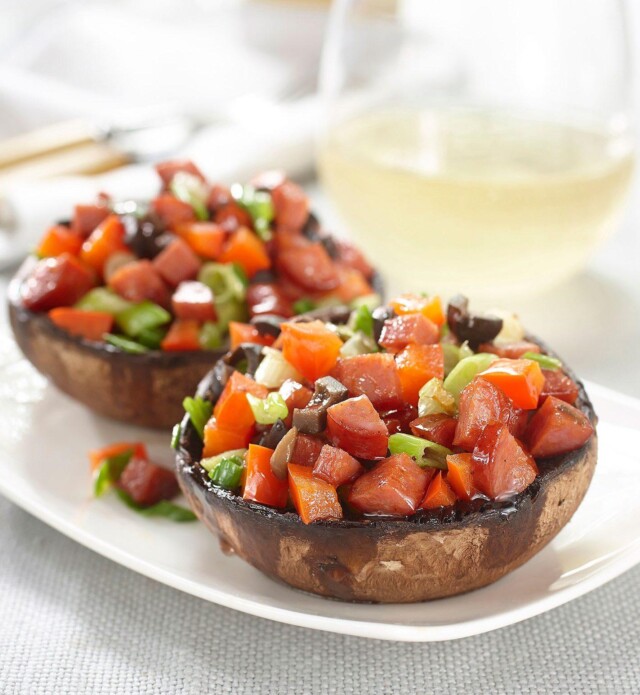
point(424, 452)
point(164, 508)
point(228, 472)
point(199, 412)
point(125, 344)
point(267, 410)
point(545, 361)
point(109, 472)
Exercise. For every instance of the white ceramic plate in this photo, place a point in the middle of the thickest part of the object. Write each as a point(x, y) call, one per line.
point(44, 438)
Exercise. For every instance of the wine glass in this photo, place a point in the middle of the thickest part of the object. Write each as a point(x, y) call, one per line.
point(477, 145)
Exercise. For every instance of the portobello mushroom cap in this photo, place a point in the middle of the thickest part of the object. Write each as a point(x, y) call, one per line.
point(145, 390)
point(433, 554)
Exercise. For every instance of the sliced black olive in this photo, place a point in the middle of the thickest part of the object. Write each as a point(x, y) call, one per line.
point(145, 236)
point(311, 228)
point(329, 314)
point(63, 223)
point(470, 327)
point(313, 418)
point(263, 276)
point(213, 384)
point(380, 315)
point(245, 358)
point(268, 324)
point(271, 438)
point(283, 453)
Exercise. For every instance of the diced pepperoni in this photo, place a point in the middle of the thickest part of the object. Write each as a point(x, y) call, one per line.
point(268, 298)
point(138, 281)
point(147, 483)
point(177, 263)
point(291, 205)
point(511, 351)
point(352, 257)
point(167, 170)
point(194, 300)
point(398, 420)
point(374, 375)
point(557, 428)
point(309, 267)
point(438, 428)
point(559, 385)
point(306, 450)
point(54, 282)
point(219, 196)
point(313, 498)
point(394, 487)
point(336, 466)
point(355, 426)
point(295, 394)
point(87, 217)
point(172, 211)
point(352, 284)
point(231, 217)
point(481, 404)
point(501, 467)
point(409, 329)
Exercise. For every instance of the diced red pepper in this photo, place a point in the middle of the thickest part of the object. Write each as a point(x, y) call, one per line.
point(355, 426)
point(482, 404)
point(501, 467)
point(394, 487)
point(306, 450)
point(60, 239)
point(54, 282)
point(352, 257)
point(438, 427)
point(219, 439)
point(91, 325)
point(268, 298)
point(559, 385)
point(87, 217)
point(313, 498)
point(460, 475)
point(247, 250)
point(232, 410)
point(97, 456)
point(291, 205)
point(429, 307)
point(511, 351)
point(172, 211)
point(177, 263)
point(336, 466)
point(418, 364)
point(167, 170)
point(193, 300)
point(373, 375)
point(310, 267)
point(521, 380)
point(183, 335)
point(147, 483)
point(261, 485)
point(205, 238)
point(310, 347)
point(138, 281)
point(105, 240)
point(557, 428)
point(410, 329)
point(439, 493)
point(246, 333)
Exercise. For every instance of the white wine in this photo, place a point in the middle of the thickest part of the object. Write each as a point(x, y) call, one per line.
point(475, 200)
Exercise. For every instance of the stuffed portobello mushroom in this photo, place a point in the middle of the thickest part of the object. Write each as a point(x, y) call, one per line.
point(395, 455)
point(128, 304)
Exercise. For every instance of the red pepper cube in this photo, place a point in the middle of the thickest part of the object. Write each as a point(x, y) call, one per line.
point(439, 493)
point(521, 380)
point(261, 484)
point(460, 475)
point(418, 364)
point(557, 428)
point(313, 498)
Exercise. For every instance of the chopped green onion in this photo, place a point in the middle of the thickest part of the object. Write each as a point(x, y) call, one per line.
point(224, 281)
point(192, 190)
point(142, 316)
point(230, 311)
point(545, 361)
point(228, 472)
point(176, 433)
point(465, 350)
point(259, 205)
point(274, 370)
point(371, 301)
point(424, 452)
point(240, 274)
point(358, 344)
point(210, 336)
point(465, 371)
point(454, 353)
point(362, 320)
point(267, 410)
point(152, 337)
point(199, 412)
point(164, 508)
point(124, 344)
point(433, 398)
point(304, 305)
point(103, 299)
point(109, 472)
point(210, 463)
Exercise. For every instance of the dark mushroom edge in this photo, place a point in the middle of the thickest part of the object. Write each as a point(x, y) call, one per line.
point(432, 554)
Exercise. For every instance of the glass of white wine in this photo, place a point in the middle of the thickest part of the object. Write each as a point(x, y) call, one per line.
point(477, 145)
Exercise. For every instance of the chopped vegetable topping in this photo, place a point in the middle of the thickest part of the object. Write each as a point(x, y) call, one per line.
point(199, 412)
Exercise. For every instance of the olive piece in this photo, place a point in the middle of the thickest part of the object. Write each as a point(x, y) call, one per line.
point(381, 314)
point(214, 382)
point(472, 328)
point(268, 324)
point(245, 358)
point(313, 418)
point(145, 236)
point(311, 228)
point(271, 438)
point(263, 276)
point(283, 453)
